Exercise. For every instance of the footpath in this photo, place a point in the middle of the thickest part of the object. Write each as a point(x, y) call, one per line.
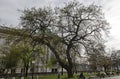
point(114, 77)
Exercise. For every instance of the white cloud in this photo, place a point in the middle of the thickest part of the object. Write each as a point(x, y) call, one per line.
point(112, 11)
point(9, 13)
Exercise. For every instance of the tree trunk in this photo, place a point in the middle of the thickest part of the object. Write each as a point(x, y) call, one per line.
point(117, 68)
point(69, 65)
point(69, 72)
point(26, 71)
point(62, 71)
point(105, 69)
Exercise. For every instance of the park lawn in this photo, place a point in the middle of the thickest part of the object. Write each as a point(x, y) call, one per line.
point(55, 76)
point(62, 77)
point(48, 77)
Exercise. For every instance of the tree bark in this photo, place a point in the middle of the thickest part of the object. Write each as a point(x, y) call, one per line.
point(69, 72)
point(68, 66)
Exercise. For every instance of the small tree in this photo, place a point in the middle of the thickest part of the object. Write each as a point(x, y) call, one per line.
point(97, 57)
point(11, 58)
point(17, 53)
point(106, 63)
point(115, 58)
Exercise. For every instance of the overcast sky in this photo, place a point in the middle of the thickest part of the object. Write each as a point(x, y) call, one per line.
point(9, 14)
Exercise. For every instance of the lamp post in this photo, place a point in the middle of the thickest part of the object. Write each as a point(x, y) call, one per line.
point(33, 62)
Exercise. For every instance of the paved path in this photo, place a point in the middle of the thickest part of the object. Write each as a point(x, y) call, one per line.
point(115, 77)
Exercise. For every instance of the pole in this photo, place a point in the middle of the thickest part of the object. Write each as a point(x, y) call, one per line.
point(33, 68)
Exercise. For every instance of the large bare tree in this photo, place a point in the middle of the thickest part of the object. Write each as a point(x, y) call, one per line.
point(65, 30)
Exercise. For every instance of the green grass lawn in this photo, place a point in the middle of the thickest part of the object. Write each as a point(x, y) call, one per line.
point(54, 77)
point(48, 77)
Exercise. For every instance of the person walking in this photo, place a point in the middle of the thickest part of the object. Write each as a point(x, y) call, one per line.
point(81, 76)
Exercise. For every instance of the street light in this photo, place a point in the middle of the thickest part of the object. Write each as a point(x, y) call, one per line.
point(33, 62)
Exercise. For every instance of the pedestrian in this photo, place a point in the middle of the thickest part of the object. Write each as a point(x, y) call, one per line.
point(81, 76)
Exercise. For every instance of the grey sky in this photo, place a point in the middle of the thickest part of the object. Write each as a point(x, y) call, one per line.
point(9, 14)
